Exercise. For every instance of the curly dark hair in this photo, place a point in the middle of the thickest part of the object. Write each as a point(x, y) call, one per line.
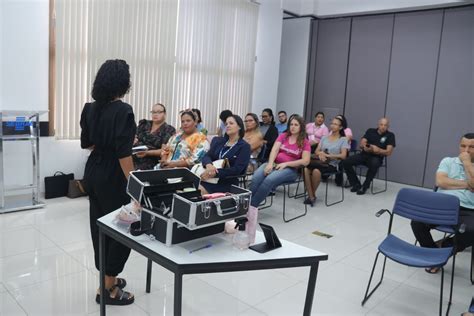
point(112, 81)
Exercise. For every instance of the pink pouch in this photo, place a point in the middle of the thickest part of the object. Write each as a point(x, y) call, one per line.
point(214, 195)
point(251, 227)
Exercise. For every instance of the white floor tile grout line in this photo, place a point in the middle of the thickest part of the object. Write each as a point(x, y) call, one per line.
point(13, 297)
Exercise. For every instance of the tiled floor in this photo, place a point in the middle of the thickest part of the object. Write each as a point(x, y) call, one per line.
point(47, 267)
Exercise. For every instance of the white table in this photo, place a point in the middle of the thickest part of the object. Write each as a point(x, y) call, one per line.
point(220, 257)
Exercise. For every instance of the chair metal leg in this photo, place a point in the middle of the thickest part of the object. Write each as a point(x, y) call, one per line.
point(284, 206)
point(367, 294)
point(441, 293)
point(263, 205)
point(472, 263)
point(452, 283)
point(386, 183)
point(296, 195)
point(244, 181)
point(333, 203)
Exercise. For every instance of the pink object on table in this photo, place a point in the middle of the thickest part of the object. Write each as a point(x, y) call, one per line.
point(251, 227)
point(214, 195)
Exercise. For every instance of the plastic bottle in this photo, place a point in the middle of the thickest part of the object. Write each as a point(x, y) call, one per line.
point(241, 238)
point(251, 226)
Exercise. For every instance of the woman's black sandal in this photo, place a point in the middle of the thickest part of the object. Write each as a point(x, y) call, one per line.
point(121, 283)
point(121, 297)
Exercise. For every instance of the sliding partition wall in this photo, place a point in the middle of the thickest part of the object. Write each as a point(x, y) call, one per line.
point(417, 68)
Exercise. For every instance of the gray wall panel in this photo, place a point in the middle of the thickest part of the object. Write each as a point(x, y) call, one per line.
point(368, 71)
point(293, 65)
point(331, 67)
point(413, 68)
point(429, 93)
point(310, 89)
point(453, 113)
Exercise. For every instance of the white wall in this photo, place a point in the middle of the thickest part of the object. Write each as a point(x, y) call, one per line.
point(24, 86)
point(25, 54)
point(2, 19)
point(24, 78)
point(293, 65)
point(265, 88)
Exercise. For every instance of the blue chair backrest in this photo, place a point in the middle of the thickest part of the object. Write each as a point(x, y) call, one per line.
point(427, 206)
point(353, 145)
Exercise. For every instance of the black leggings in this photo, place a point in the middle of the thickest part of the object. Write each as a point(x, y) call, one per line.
point(106, 185)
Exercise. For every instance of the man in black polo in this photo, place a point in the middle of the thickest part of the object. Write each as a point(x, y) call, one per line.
point(376, 144)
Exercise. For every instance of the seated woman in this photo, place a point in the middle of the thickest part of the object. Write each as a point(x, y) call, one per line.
point(186, 148)
point(268, 130)
point(231, 147)
point(200, 126)
point(290, 151)
point(348, 133)
point(253, 137)
point(331, 149)
point(347, 130)
point(153, 134)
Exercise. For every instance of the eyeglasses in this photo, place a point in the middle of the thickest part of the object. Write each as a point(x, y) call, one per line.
point(157, 112)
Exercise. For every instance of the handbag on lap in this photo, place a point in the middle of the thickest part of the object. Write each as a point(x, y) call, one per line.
point(198, 169)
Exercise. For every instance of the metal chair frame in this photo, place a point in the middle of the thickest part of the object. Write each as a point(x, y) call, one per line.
point(368, 294)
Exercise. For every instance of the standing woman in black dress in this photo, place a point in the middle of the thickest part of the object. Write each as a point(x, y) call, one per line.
point(108, 130)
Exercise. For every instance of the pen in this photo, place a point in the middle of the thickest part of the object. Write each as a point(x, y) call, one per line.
point(200, 248)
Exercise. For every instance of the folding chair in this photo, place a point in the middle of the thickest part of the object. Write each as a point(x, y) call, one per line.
point(286, 186)
point(339, 172)
point(384, 166)
point(298, 181)
point(354, 149)
point(450, 232)
point(422, 206)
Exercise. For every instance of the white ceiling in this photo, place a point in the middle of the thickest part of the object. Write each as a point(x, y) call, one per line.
point(330, 8)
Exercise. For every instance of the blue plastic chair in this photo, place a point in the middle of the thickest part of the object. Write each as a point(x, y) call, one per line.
point(450, 232)
point(422, 206)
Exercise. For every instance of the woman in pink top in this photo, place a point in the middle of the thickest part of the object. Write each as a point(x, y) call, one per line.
point(290, 151)
point(316, 130)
